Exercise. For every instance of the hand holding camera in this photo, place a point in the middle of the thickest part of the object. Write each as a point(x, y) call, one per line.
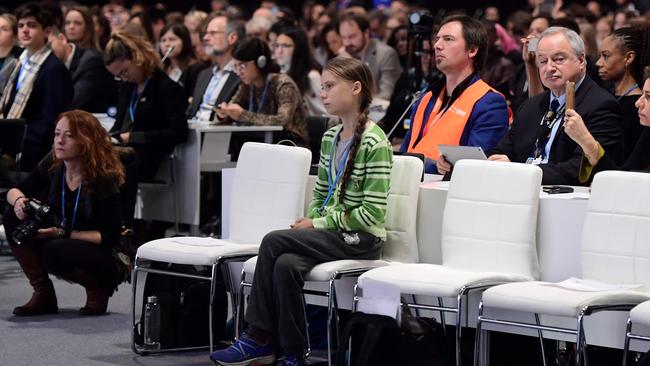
point(37, 215)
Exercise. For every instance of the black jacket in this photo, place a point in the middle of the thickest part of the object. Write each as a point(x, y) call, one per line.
point(160, 121)
point(599, 110)
point(94, 87)
point(202, 81)
point(51, 95)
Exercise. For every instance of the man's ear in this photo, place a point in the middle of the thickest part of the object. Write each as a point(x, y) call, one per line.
point(473, 52)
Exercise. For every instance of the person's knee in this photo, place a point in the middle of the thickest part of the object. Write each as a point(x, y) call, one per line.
point(285, 269)
point(272, 241)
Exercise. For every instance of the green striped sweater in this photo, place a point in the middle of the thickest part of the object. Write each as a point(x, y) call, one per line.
point(364, 205)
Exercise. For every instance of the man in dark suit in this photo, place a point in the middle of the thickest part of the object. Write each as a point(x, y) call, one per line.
point(537, 134)
point(95, 90)
point(39, 87)
point(218, 83)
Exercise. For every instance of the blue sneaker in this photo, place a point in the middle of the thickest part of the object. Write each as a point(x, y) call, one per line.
point(291, 360)
point(245, 351)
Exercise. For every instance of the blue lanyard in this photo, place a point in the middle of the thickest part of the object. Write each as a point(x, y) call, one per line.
point(134, 100)
point(331, 184)
point(76, 202)
point(628, 92)
point(261, 101)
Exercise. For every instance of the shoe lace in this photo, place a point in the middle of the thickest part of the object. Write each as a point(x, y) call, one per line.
point(241, 345)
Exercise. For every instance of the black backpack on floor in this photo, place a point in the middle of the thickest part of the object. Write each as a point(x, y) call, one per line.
point(184, 308)
point(378, 340)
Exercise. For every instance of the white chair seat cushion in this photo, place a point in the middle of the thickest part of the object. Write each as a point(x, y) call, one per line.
point(641, 314)
point(323, 271)
point(551, 299)
point(193, 250)
point(433, 279)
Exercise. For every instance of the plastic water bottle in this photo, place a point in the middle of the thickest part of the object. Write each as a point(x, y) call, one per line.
point(152, 324)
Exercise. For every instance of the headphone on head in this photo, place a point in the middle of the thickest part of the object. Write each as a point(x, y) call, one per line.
point(261, 61)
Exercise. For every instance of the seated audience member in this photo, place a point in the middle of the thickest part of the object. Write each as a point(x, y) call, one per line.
point(399, 41)
point(461, 109)
point(39, 86)
point(79, 180)
point(329, 43)
point(9, 50)
point(181, 64)
point(595, 157)
point(79, 28)
point(498, 68)
point(95, 89)
point(150, 112)
point(623, 54)
point(293, 55)
point(348, 224)
point(537, 136)
point(382, 60)
point(218, 83)
point(102, 27)
point(407, 84)
point(263, 97)
point(258, 27)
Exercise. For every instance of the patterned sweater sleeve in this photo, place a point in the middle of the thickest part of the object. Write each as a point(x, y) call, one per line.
point(288, 99)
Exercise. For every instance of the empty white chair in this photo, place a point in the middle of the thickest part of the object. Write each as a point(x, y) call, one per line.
point(488, 237)
point(400, 245)
point(640, 315)
point(268, 193)
point(615, 250)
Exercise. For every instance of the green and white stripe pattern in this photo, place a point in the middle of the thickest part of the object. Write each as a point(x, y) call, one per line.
point(364, 205)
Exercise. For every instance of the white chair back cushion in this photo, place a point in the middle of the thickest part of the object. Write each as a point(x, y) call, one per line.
point(401, 212)
point(268, 190)
point(616, 232)
point(490, 217)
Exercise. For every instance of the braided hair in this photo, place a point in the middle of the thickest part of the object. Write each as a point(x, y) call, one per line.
point(634, 39)
point(353, 70)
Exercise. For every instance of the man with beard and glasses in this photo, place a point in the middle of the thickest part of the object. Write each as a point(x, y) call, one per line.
point(382, 60)
point(216, 84)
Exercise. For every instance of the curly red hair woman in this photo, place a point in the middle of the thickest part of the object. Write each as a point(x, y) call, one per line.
point(79, 181)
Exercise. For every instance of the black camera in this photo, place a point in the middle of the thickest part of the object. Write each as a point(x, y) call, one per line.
point(421, 24)
point(39, 215)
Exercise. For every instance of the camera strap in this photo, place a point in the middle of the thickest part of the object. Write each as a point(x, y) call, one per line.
point(76, 203)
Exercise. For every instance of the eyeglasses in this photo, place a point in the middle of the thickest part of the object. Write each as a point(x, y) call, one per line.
point(124, 73)
point(281, 45)
point(241, 66)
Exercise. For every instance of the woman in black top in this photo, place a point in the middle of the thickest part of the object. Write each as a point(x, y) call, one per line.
point(79, 180)
point(623, 55)
point(150, 116)
point(181, 64)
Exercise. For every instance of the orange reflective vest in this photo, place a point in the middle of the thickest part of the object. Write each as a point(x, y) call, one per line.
point(445, 126)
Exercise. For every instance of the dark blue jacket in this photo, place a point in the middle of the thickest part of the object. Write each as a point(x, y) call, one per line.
point(486, 126)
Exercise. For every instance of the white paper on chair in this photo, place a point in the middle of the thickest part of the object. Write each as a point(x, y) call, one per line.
point(379, 298)
point(579, 284)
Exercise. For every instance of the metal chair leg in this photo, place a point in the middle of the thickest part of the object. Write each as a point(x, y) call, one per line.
point(626, 347)
point(134, 286)
point(213, 284)
point(443, 321)
point(459, 327)
point(330, 311)
point(541, 340)
point(579, 341)
point(304, 306)
point(477, 341)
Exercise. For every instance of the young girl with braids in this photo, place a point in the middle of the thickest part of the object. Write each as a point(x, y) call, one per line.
point(346, 220)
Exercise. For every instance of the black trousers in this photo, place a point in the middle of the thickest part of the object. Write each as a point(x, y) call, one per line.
point(285, 257)
point(61, 256)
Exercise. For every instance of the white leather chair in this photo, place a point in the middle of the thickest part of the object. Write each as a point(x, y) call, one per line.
point(640, 315)
point(488, 237)
point(268, 194)
point(400, 245)
point(615, 250)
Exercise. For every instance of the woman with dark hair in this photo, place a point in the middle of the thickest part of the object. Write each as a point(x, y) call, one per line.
point(264, 97)
point(78, 27)
point(293, 55)
point(101, 26)
point(150, 116)
point(79, 181)
point(345, 220)
point(181, 64)
point(623, 55)
point(399, 41)
point(142, 19)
